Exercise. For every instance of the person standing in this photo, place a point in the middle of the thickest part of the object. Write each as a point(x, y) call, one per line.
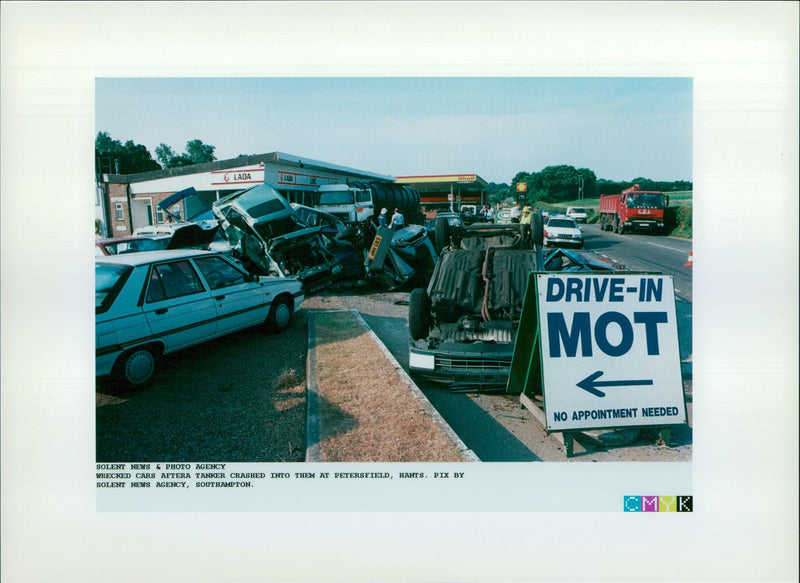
point(382, 218)
point(526, 215)
point(515, 212)
point(397, 220)
point(489, 213)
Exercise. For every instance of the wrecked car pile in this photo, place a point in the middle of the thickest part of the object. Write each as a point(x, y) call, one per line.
point(268, 237)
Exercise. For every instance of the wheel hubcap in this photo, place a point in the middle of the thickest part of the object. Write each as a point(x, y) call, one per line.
point(139, 366)
point(282, 315)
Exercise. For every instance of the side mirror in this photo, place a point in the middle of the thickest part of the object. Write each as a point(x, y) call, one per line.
point(666, 203)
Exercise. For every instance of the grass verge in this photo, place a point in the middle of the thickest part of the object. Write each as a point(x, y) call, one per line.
point(367, 412)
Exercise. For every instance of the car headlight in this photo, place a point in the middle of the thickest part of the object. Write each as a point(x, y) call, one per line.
point(421, 361)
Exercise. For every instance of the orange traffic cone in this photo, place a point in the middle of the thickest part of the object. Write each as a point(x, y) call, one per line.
point(689, 262)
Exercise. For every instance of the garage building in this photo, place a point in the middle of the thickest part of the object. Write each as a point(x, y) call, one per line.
point(127, 202)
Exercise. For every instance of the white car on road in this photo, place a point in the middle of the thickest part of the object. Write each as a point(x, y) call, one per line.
point(578, 213)
point(150, 304)
point(562, 231)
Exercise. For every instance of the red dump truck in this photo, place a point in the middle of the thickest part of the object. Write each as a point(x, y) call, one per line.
point(633, 209)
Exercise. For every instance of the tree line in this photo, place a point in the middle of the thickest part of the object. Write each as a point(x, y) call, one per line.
point(113, 157)
point(566, 183)
point(551, 184)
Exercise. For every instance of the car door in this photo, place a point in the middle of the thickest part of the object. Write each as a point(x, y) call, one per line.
point(177, 305)
point(240, 302)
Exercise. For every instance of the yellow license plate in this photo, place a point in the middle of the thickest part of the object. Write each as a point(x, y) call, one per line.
point(375, 244)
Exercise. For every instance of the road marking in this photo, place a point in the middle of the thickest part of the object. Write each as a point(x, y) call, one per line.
point(665, 247)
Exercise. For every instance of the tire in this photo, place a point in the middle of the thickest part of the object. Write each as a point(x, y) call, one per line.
point(280, 314)
point(419, 314)
point(136, 368)
point(537, 229)
point(441, 237)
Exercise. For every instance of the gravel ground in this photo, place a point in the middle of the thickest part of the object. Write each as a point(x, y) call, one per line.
point(240, 398)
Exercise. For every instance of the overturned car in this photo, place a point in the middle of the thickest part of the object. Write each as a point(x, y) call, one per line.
point(463, 326)
point(378, 256)
point(268, 237)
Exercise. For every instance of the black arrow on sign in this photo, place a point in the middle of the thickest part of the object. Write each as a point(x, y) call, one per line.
point(591, 383)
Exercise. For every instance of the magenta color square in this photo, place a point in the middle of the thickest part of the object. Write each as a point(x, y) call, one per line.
point(649, 503)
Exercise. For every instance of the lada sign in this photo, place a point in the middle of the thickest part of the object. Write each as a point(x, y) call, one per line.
point(608, 347)
point(238, 176)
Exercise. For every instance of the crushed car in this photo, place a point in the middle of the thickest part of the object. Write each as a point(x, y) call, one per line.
point(346, 242)
point(463, 326)
point(269, 238)
point(400, 258)
point(187, 206)
point(381, 257)
point(182, 236)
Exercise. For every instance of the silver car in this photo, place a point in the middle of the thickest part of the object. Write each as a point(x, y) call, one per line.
point(150, 304)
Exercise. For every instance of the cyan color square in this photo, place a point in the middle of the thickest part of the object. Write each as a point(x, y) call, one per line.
point(632, 504)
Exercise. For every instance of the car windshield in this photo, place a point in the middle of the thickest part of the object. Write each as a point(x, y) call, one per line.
point(336, 198)
point(108, 280)
point(565, 223)
point(646, 200)
point(271, 229)
point(578, 210)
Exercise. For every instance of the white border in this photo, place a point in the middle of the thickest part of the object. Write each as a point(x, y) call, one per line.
point(744, 61)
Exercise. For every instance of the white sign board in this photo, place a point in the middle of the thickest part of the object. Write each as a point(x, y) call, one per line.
point(609, 350)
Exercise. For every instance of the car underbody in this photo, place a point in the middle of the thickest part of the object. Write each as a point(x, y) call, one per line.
point(463, 326)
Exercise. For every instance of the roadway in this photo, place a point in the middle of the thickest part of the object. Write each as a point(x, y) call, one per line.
point(645, 252)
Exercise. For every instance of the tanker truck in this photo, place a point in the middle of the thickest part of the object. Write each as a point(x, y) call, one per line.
point(633, 209)
point(361, 201)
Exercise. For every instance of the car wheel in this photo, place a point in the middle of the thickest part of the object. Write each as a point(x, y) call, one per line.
point(580, 245)
point(136, 368)
point(280, 314)
point(441, 237)
point(537, 229)
point(419, 313)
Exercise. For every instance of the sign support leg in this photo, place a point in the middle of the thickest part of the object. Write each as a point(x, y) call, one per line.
point(569, 443)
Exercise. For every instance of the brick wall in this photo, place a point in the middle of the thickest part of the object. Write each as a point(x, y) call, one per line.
point(119, 213)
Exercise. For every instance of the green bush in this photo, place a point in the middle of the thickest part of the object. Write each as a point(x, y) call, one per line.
point(678, 220)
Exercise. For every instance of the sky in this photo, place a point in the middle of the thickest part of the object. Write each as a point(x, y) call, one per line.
point(620, 128)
